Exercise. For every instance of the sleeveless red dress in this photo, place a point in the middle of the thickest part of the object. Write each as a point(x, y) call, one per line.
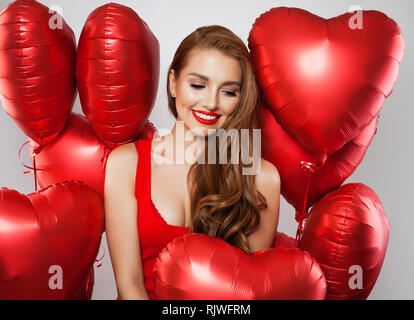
point(154, 232)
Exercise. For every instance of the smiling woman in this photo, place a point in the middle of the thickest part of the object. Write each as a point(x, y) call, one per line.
point(210, 85)
point(211, 75)
point(197, 95)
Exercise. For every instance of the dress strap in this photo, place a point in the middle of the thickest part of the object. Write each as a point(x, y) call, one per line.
point(143, 175)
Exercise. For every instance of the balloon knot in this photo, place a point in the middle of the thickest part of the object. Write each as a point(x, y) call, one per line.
point(308, 167)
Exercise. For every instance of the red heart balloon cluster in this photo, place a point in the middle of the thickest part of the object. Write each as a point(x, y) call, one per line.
point(117, 94)
point(324, 84)
point(197, 266)
point(48, 241)
point(117, 70)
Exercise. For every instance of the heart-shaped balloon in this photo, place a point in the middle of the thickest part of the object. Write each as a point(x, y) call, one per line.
point(117, 69)
point(347, 233)
point(325, 80)
point(76, 154)
point(49, 240)
point(196, 266)
point(286, 154)
point(37, 69)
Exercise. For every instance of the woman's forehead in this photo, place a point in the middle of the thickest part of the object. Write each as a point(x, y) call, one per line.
point(211, 64)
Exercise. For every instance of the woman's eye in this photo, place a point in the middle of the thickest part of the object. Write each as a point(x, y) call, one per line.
point(230, 93)
point(197, 86)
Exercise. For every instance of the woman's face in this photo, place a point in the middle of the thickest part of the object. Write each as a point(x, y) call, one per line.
point(207, 90)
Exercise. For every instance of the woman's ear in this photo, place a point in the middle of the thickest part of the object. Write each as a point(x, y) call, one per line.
point(172, 80)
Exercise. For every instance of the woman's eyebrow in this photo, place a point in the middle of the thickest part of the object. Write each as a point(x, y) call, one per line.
point(206, 78)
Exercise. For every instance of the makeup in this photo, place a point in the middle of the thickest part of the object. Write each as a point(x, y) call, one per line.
point(205, 117)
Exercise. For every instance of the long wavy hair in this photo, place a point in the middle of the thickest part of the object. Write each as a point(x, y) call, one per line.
point(224, 202)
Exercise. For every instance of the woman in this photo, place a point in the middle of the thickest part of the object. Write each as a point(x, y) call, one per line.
point(211, 85)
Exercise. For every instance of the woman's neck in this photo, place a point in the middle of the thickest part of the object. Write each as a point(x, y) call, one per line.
point(180, 145)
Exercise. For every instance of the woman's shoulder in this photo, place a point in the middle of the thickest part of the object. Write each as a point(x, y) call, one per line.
point(124, 152)
point(268, 176)
point(123, 158)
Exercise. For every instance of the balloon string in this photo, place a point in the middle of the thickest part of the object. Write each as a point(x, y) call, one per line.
point(300, 216)
point(35, 177)
point(100, 259)
point(34, 169)
point(105, 153)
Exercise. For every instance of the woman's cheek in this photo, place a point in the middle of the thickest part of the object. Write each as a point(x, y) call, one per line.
point(229, 107)
point(188, 98)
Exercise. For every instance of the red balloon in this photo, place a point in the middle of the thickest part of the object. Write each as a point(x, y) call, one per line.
point(196, 266)
point(117, 69)
point(347, 233)
point(286, 153)
point(48, 234)
point(149, 132)
point(76, 154)
point(323, 80)
point(283, 240)
point(37, 80)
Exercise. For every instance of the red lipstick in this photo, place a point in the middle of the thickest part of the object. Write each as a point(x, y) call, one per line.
point(203, 120)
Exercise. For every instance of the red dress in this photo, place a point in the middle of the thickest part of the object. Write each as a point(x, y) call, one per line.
point(154, 232)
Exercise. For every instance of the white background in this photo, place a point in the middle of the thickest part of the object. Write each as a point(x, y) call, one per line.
point(387, 167)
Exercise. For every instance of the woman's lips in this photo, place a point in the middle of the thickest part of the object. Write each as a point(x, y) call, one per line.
point(207, 113)
point(205, 117)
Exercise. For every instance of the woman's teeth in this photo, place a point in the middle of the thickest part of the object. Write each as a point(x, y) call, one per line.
point(204, 116)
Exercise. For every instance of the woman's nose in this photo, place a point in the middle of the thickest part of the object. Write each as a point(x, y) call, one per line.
point(211, 100)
